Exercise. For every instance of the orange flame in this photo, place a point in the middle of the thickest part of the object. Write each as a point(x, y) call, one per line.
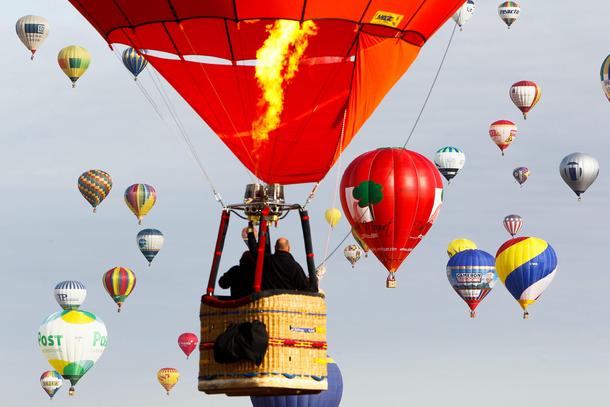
point(277, 63)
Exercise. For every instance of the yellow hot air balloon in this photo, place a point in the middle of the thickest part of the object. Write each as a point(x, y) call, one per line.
point(168, 377)
point(459, 245)
point(333, 216)
point(74, 61)
point(361, 243)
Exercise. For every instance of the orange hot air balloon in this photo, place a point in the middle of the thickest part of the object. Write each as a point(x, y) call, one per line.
point(286, 85)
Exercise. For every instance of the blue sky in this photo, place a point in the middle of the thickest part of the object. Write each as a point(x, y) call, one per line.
point(411, 346)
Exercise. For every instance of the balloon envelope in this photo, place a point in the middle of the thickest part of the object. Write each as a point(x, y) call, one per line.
point(449, 160)
point(605, 77)
point(32, 31)
point(134, 61)
point(463, 14)
point(188, 342)
point(513, 224)
point(352, 253)
point(140, 198)
point(509, 12)
point(51, 381)
point(579, 171)
point(168, 377)
point(94, 186)
point(150, 242)
point(119, 282)
point(458, 245)
point(503, 133)
point(332, 216)
point(353, 52)
point(70, 294)
point(72, 341)
point(74, 60)
point(525, 95)
point(521, 174)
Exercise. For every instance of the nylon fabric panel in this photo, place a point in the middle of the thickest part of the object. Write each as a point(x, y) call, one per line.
point(379, 65)
point(534, 268)
point(535, 290)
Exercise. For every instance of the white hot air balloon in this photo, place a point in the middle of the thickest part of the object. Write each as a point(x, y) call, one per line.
point(72, 341)
point(525, 95)
point(449, 160)
point(509, 12)
point(32, 31)
point(352, 253)
point(579, 171)
point(150, 242)
point(463, 14)
point(70, 294)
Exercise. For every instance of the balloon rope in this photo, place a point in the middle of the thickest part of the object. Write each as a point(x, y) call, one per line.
point(438, 71)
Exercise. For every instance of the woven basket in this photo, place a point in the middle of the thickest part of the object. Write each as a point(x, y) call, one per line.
point(295, 362)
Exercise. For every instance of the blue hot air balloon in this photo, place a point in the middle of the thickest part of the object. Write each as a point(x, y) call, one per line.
point(328, 398)
point(134, 61)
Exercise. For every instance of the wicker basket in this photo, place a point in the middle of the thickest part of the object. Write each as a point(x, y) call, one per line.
point(295, 362)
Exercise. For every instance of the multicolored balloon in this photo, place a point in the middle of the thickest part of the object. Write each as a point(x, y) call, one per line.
point(119, 282)
point(332, 216)
point(188, 342)
point(579, 171)
point(150, 242)
point(140, 198)
point(168, 377)
point(459, 245)
point(363, 245)
point(74, 61)
point(94, 186)
point(391, 197)
point(328, 398)
point(513, 224)
point(604, 74)
point(352, 253)
point(70, 294)
point(521, 174)
point(472, 274)
point(51, 381)
point(32, 31)
point(134, 61)
point(509, 12)
point(526, 266)
point(72, 341)
point(449, 160)
point(503, 133)
point(463, 14)
point(525, 95)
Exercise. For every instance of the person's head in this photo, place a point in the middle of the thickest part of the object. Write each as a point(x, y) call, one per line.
point(282, 244)
point(247, 260)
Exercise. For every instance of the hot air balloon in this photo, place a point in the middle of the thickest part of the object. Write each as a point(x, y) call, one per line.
point(604, 74)
point(51, 381)
point(463, 14)
point(391, 197)
point(72, 341)
point(140, 198)
point(459, 245)
point(168, 377)
point(134, 61)
point(74, 61)
point(526, 266)
point(521, 174)
point(321, 271)
point(352, 253)
point(332, 216)
point(503, 133)
point(449, 160)
point(94, 186)
point(188, 342)
point(472, 274)
point(150, 241)
point(119, 282)
point(359, 50)
point(509, 12)
point(32, 31)
point(513, 224)
point(525, 95)
point(579, 171)
point(70, 294)
point(363, 245)
point(327, 398)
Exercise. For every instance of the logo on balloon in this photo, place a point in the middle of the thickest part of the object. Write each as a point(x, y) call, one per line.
point(361, 200)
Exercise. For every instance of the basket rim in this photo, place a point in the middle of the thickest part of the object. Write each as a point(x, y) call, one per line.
point(223, 301)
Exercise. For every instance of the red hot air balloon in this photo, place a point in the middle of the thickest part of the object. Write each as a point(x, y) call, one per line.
point(188, 342)
point(337, 58)
point(391, 197)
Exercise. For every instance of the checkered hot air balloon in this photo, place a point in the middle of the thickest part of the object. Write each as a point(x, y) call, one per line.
point(94, 186)
point(140, 198)
point(119, 282)
point(513, 224)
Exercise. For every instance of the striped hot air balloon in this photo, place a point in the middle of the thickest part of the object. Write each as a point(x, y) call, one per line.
point(503, 133)
point(604, 74)
point(94, 186)
point(526, 266)
point(134, 61)
point(472, 274)
point(32, 31)
point(70, 294)
point(74, 61)
point(509, 12)
point(449, 160)
point(513, 224)
point(525, 95)
point(521, 174)
point(119, 282)
point(150, 242)
point(140, 198)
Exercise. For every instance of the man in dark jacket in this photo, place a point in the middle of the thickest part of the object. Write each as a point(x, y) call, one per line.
point(282, 271)
point(240, 278)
